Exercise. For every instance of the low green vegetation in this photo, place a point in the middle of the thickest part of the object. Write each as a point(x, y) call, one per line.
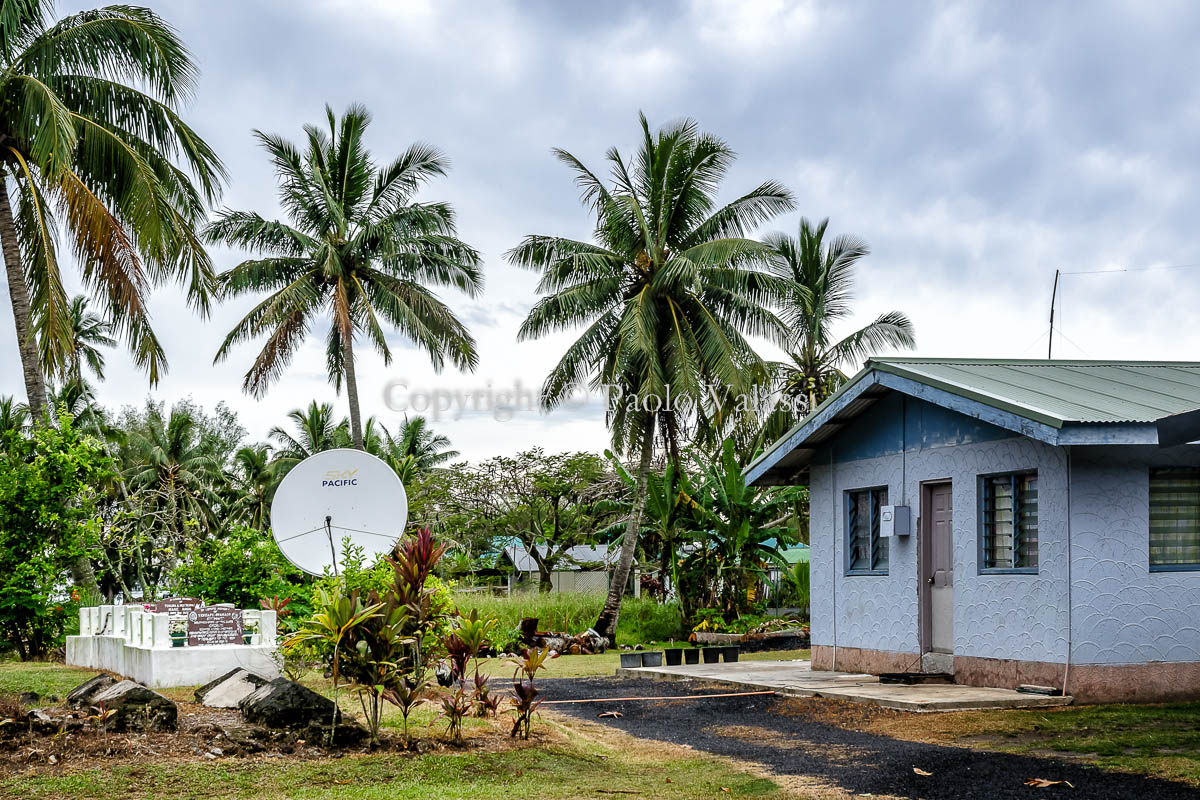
point(1161, 739)
point(576, 768)
point(643, 619)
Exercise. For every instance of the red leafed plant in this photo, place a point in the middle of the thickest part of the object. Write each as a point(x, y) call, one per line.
point(277, 604)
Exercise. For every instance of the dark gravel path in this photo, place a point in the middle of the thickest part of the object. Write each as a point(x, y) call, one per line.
point(796, 744)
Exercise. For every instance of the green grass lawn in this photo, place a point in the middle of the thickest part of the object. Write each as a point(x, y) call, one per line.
point(1161, 740)
point(575, 769)
point(567, 758)
point(42, 677)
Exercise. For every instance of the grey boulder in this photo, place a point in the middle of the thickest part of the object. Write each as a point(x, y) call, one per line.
point(137, 708)
point(81, 696)
point(229, 689)
point(286, 704)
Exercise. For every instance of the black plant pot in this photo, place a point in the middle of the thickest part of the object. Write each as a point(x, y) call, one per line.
point(652, 659)
point(691, 656)
point(731, 653)
point(631, 660)
point(674, 657)
point(712, 654)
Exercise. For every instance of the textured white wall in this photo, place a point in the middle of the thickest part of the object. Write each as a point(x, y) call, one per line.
point(1125, 614)
point(995, 616)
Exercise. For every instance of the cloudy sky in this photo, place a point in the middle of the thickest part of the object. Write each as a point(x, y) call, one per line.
point(976, 147)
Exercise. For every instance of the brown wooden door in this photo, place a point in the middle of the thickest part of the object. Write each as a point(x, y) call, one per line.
point(938, 571)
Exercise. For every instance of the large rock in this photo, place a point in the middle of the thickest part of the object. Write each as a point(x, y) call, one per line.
point(286, 704)
point(81, 696)
point(138, 708)
point(229, 689)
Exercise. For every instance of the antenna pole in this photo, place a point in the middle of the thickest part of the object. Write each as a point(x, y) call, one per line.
point(332, 549)
point(1053, 297)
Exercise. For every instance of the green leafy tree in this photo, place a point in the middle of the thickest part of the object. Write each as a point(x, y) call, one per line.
point(92, 145)
point(821, 294)
point(358, 250)
point(242, 567)
point(666, 293)
point(48, 518)
point(547, 502)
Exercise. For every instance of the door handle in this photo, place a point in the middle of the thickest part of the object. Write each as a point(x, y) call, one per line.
point(929, 580)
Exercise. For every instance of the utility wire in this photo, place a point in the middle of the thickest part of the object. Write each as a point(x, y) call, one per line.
point(1129, 269)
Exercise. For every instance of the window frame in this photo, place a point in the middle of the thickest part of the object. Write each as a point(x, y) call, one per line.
point(872, 535)
point(1190, 567)
point(982, 523)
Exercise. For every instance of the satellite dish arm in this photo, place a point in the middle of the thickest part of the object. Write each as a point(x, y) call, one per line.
point(332, 549)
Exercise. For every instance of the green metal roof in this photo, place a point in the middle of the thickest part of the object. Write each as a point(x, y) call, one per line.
point(1059, 392)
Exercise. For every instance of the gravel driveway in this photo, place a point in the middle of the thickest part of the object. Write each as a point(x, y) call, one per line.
point(793, 743)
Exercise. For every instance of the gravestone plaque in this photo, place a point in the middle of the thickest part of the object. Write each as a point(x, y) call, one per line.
point(177, 605)
point(214, 625)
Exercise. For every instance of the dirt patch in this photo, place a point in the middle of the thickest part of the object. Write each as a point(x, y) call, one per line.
point(208, 734)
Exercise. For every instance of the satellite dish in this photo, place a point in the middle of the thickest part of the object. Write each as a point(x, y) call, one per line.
point(332, 496)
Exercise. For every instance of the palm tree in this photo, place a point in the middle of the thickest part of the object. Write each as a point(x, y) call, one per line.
point(255, 479)
point(415, 439)
point(174, 472)
point(822, 279)
point(358, 248)
point(89, 137)
point(316, 431)
point(666, 292)
point(89, 332)
point(14, 417)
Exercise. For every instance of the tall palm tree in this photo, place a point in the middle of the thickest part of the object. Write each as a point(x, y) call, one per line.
point(89, 139)
point(666, 292)
point(358, 248)
point(822, 280)
point(89, 332)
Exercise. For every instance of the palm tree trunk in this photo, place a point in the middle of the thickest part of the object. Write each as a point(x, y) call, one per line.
point(352, 390)
point(18, 292)
point(606, 625)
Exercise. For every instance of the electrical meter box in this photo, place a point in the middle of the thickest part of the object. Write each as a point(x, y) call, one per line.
point(895, 521)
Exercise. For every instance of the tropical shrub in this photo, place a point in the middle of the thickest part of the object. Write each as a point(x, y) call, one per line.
point(242, 568)
point(48, 518)
point(525, 695)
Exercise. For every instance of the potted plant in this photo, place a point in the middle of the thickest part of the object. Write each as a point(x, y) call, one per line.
point(249, 631)
point(178, 631)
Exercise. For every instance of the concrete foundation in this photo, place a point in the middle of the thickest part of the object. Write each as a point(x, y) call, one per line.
point(1154, 682)
point(798, 679)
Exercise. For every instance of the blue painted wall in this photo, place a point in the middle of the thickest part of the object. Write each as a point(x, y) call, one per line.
point(897, 422)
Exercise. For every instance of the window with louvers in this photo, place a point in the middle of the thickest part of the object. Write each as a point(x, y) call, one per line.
point(867, 550)
point(1009, 521)
point(1175, 518)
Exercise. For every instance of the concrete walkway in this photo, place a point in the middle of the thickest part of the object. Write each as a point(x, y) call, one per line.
point(798, 679)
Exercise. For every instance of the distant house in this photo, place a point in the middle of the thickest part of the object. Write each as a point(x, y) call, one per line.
point(1011, 522)
point(583, 568)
